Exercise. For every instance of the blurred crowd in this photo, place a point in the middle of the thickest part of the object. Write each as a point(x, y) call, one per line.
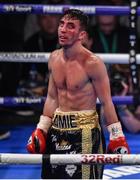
point(38, 33)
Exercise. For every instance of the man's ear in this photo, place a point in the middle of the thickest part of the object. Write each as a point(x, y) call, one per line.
point(82, 35)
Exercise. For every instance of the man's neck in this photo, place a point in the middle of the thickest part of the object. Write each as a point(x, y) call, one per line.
point(71, 52)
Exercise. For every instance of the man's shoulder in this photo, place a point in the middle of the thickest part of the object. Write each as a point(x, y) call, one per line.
point(55, 55)
point(93, 58)
point(93, 63)
point(56, 52)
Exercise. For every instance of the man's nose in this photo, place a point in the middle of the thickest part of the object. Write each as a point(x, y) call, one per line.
point(63, 28)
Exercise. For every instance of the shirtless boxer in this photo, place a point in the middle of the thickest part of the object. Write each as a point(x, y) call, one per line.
point(69, 123)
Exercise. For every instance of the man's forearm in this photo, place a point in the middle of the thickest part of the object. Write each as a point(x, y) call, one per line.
point(110, 114)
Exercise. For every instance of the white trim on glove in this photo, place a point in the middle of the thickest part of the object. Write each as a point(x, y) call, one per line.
point(115, 130)
point(45, 123)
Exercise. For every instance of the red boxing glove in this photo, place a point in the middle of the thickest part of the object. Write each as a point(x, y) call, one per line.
point(37, 142)
point(117, 144)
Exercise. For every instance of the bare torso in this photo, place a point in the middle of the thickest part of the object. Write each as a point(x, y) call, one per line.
point(74, 86)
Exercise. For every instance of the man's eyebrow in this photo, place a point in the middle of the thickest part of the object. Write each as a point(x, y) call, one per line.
point(70, 22)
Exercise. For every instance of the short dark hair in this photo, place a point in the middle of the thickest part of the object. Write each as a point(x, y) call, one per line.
point(78, 15)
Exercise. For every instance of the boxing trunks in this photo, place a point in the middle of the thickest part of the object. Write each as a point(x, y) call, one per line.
point(76, 132)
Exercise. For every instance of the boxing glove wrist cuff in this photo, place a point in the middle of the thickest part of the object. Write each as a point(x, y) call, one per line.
point(45, 123)
point(115, 130)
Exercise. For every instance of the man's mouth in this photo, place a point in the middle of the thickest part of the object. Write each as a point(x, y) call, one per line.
point(62, 37)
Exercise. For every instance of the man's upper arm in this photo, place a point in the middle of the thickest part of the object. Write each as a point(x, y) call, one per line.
point(100, 80)
point(51, 102)
point(52, 92)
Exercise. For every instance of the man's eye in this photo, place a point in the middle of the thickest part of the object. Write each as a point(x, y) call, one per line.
point(71, 26)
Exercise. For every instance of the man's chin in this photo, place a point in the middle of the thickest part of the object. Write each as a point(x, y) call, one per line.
point(63, 45)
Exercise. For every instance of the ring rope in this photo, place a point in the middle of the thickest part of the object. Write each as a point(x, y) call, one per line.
point(43, 57)
point(61, 159)
point(59, 9)
point(27, 101)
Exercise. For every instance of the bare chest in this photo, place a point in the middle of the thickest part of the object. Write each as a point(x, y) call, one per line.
point(70, 76)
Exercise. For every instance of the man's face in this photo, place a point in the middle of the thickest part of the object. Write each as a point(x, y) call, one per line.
point(107, 23)
point(69, 31)
point(49, 23)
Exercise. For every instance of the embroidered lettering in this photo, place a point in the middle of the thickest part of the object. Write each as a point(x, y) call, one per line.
point(65, 121)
